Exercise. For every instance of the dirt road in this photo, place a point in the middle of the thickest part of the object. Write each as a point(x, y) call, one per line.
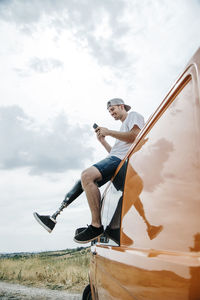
point(10, 291)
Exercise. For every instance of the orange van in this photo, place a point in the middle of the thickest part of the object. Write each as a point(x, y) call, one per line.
point(151, 208)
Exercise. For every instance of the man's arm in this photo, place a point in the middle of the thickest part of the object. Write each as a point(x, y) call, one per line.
point(128, 136)
point(105, 143)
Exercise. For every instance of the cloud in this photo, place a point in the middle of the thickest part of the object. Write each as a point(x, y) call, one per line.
point(56, 148)
point(154, 158)
point(44, 65)
point(94, 23)
point(159, 154)
point(76, 14)
point(143, 44)
point(39, 65)
point(116, 33)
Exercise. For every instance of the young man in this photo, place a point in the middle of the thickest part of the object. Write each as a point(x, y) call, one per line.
point(101, 172)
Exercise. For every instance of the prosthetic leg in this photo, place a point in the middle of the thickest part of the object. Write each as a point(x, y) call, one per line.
point(69, 198)
point(49, 222)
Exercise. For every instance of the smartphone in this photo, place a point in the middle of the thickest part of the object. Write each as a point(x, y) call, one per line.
point(95, 126)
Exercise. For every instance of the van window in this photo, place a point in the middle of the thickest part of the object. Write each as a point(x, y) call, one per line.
point(111, 208)
point(161, 207)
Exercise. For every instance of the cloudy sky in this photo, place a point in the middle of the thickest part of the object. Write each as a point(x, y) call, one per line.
point(60, 63)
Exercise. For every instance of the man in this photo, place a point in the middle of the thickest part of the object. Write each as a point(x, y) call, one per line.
point(101, 172)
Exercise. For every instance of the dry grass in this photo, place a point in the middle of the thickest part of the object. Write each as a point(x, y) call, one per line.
point(65, 270)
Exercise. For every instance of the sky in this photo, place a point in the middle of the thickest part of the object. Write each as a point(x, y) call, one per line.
point(61, 61)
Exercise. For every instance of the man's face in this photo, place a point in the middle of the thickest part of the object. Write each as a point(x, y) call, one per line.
point(116, 111)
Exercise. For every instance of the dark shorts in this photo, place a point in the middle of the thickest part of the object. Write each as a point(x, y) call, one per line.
point(107, 168)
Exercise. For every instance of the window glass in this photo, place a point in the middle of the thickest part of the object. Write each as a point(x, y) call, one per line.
point(162, 195)
point(111, 208)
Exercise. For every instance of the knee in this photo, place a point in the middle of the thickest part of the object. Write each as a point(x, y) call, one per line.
point(86, 178)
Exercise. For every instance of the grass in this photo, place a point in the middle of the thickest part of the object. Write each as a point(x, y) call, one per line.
point(60, 270)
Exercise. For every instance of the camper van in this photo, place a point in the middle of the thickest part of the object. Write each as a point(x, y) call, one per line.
point(151, 207)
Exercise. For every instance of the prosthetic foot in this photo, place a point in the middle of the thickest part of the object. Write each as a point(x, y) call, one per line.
point(46, 221)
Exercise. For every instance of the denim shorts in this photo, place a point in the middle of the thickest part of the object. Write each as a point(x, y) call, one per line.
point(107, 168)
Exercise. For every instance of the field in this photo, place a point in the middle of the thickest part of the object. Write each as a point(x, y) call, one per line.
point(58, 270)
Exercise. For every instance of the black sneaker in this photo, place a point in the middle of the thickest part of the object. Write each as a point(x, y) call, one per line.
point(113, 234)
point(46, 221)
point(79, 230)
point(89, 234)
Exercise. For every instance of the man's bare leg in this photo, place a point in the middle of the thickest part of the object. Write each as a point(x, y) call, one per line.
point(88, 178)
point(95, 230)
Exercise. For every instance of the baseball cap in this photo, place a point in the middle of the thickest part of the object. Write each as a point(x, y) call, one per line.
point(118, 101)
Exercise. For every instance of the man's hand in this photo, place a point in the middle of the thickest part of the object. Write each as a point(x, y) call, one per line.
point(102, 131)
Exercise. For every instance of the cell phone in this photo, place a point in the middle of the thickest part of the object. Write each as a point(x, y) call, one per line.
point(95, 125)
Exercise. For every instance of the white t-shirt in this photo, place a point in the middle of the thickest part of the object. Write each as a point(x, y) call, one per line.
point(120, 148)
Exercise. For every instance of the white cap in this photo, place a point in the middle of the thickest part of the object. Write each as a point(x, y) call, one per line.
point(118, 101)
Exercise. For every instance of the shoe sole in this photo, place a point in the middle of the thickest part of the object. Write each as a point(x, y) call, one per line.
point(88, 241)
point(40, 222)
